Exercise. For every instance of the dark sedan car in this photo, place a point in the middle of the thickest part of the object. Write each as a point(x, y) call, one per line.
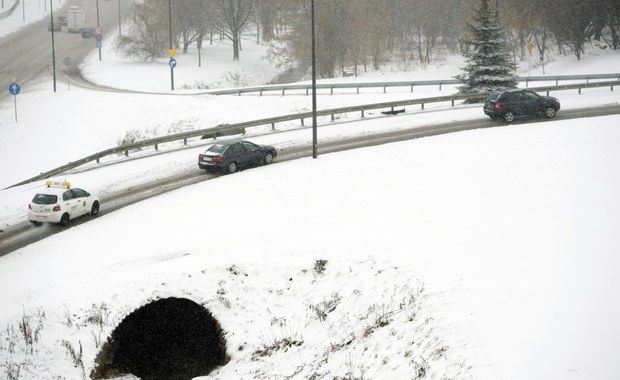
point(512, 103)
point(228, 156)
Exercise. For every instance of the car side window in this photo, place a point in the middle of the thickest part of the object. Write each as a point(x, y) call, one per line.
point(79, 193)
point(68, 195)
point(249, 146)
point(530, 96)
point(237, 149)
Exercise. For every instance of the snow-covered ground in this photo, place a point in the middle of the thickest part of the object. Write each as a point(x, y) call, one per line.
point(478, 255)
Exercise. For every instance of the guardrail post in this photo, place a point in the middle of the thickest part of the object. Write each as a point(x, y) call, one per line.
point(452, 102)
point(332, 117)
point(358, 89)
point(612, 88)
point(302, 121)
point(98, 161)
point(331, 91)
point(422, 105)
point(556, 82)
point(439, 86)
point(579, 90)
point(384, 89)
point(412, 87)
point(126, 153)
point(362, 114)
point(547, 92)
point(273, 126)
point(527, 84)
point(283, 91)
point(261, 92)
point(306, 91)
point(156, 147)
point(185, 141)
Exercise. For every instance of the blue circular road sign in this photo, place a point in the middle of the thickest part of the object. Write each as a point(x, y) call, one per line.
point(14, 88)
point(172, 63)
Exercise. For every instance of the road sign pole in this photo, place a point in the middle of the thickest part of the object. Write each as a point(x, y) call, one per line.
point(14, 89)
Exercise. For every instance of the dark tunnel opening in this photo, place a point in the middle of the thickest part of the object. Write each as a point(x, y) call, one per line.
point(168, 339)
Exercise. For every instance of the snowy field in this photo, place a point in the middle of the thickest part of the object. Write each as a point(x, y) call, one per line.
point(489, 254)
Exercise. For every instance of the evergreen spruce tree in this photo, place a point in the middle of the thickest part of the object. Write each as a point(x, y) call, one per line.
point(489, 66)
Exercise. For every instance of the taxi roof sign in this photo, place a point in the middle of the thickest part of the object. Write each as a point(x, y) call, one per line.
point(58, 184)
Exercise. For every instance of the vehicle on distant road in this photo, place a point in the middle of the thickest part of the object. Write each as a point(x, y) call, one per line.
point(515, 102)
point(62, 20)
point(55, 26)
point(58, 203)
point(88, 32)
point(75, 19)
point(230, 156)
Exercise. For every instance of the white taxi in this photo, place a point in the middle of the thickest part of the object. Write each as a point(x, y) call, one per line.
point(58, 202)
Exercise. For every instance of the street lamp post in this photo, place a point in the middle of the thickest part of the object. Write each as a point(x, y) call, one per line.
point(119, 18)
point(314, 134)
point(170, 29)
point(53, 49)
point(98, 27)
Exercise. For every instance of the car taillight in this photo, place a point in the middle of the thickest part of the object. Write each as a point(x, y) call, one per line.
point(29, 206)
point(498, 106)
point(217, 159)
point(200, 157)
point(56, 208)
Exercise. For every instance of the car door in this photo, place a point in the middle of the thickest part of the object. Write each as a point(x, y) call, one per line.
point(81, 197)
point(533, 101)
point(237, 154)
point(252, 152)
point(71, 203)
point(517, 103)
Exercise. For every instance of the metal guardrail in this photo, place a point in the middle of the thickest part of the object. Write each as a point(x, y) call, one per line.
point(239, 128)
point(385, 85)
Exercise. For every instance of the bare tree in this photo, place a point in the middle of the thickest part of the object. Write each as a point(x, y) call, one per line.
point(232, 16)
point(146, 37)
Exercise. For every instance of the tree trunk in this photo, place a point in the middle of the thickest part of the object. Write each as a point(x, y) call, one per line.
point(235, 42)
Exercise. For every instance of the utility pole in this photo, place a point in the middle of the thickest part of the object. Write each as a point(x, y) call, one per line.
point(314, 134)
point(53, 49)
point(98, 27)
point(119, 18)
point(170, 25)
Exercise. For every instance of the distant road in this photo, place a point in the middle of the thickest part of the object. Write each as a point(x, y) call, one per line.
point(19, 236)
point(27, 53)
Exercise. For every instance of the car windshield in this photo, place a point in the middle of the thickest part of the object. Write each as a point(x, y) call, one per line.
point(45, 199)
point(217, 148)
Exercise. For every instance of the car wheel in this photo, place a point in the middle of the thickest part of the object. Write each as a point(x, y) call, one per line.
point(268, 159)
point(550, 112)
point(64, 220)
point(509, 117)
point(95, 209)
point(232, 167)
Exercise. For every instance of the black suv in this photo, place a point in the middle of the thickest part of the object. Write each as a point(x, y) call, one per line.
point(515, 102)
